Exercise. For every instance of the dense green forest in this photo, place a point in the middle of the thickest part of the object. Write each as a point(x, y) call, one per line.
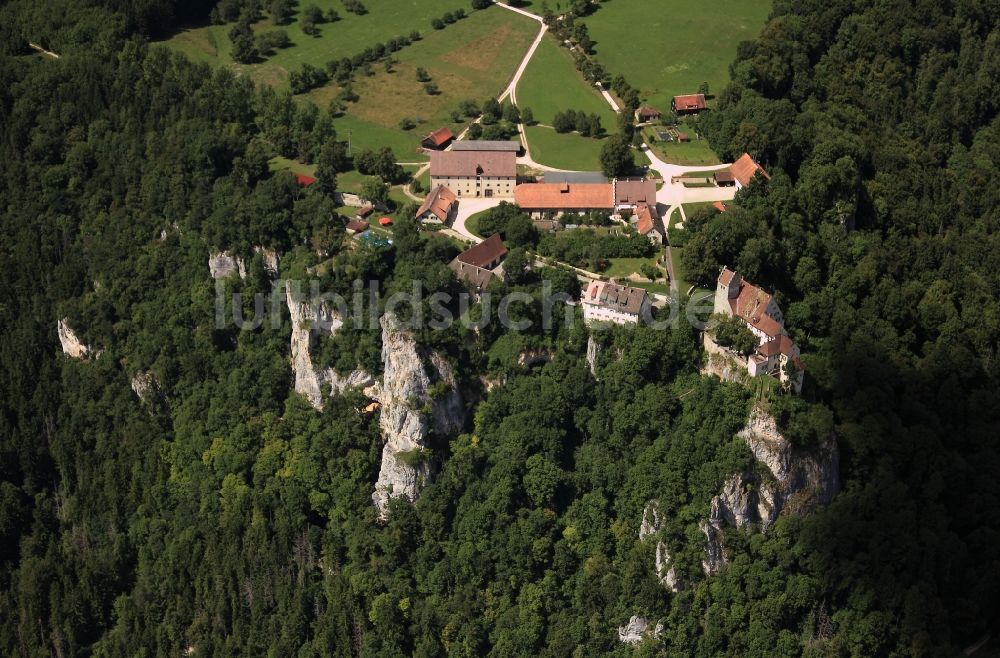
point(223, 515)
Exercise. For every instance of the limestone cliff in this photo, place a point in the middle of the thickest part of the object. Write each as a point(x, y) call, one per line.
point(637, 629)
point(71, 344)
point(650, 527)
point(786, 480)
point(223, 264)
point(145, 385)
point(418, 395)
point(309, 322)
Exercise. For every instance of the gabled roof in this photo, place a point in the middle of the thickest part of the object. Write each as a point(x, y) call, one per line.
point(357, 226)
point(485, 252)
point(689, 102)
point(304, 180)
point(564, 196)
point(439, 137)
point(486, 145)
point(750, 305)
point(439, 202)
point(781, 344)
point(613, 296)
point(647, 111)
point(745, 168)
point(471, 163)
point(726, 276)
point(477, 277)
point(634, 192)
point(647, 219)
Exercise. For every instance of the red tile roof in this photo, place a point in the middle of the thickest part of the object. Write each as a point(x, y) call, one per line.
point(647, 219)
point(485, 253)
point(614, 296)
point(745, 168)
point(750, 304)
point(472, 163)
point(726, 277)
point(439, 202)
point(720, 206)
point(564, 196)
point(781, 344)
point(477, 277)
point(439, 137)
point(304, 180)
point(689, 102)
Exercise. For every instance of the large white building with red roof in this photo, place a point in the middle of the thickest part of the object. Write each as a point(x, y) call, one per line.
point(757, 309)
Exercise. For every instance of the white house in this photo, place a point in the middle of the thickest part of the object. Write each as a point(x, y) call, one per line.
point(610, 302)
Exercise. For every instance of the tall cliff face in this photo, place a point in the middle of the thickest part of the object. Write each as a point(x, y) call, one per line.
point(787, 480)
point(223, 264)
point(308, 324)
point(71, 344)
point(418, 395)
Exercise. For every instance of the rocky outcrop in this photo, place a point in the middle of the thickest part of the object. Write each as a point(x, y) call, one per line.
point(650, 526)
point(223, 264)
point(145, 386)
point(418, 395)
point(309, 323)
point(531, 358)
point(786, 480)
point(71, 344)
point(637, 629)
point(593, 352)
point(271, 260)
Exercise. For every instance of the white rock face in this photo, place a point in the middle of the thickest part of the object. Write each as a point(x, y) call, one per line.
point(650, 526)
point(224, 264)
point(637, 629)
point(145, 385)
point(593, 351)
point(418, 395)
point(795, 481)
point(308, 324)
point(71, 345)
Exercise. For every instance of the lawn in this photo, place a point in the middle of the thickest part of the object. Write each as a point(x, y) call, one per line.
point(552, 84)
point(278, 163)
point(564, 150)
point(622, 268)
point(473, 58)
point(697, 152)
point(671, 47)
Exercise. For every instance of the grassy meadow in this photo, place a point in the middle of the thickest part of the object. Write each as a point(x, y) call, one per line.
point(670, 47)
point(471, 58)
point(564, 150)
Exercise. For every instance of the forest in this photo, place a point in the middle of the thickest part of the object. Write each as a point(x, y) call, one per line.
point(223, 515)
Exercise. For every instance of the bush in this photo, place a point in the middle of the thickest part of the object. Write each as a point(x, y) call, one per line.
point(406, 123)
point(355, 7)
point(448, 17)
point(423, 75)
point(437, 24)
point(431, 89)
point(481, 4)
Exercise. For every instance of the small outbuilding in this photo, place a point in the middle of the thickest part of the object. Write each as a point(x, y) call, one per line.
point(688, 104)
point(724, 178)
point(438, 140)
point(646, 113)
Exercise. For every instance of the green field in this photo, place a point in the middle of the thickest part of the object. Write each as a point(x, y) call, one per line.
point(473, 58)
point(671, 47)
point(564, 150)
point(344, 38)
point(552, 84)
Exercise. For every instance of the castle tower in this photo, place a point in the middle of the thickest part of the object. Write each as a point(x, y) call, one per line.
point(727, 288)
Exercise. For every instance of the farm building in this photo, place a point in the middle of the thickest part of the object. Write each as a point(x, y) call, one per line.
point(356, 226)
point(646, 113)
point(438, 207)
point(475, 173)
point(744, 170)
point(557, 198)
point(478, 265)
point(633, 192)
point(648, 223)
point(486, 145)
point(724, 178)
point(438, 140)
point(688, 104)
point(574, 177)
point(610, 302)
